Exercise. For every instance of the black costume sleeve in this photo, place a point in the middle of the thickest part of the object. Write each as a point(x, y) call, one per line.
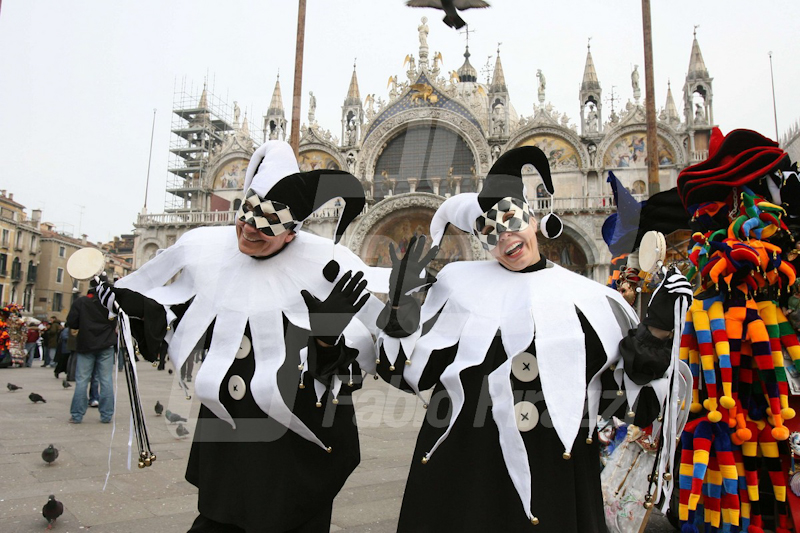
point(646, 358)
point(438, 361)
point(148, 324)
point(325, 362)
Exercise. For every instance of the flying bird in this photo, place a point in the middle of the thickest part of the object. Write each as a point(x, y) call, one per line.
point(52, 510)
point(181, 431)
point(450, 8)
point(65, 384)
point(174, 417)
point(12, 387)
point(50, 454)
point(159, 408)
point(36, 398)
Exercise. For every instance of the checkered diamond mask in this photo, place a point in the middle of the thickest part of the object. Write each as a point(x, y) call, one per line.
point(509, 214)
point(270, 217)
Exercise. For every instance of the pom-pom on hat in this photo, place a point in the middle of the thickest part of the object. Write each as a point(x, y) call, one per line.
point(504, 180)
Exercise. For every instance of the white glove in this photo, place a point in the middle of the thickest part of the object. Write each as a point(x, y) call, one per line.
point(105, 293)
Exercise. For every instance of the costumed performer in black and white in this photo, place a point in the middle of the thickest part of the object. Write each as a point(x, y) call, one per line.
point(517, 350)
point(285, 317)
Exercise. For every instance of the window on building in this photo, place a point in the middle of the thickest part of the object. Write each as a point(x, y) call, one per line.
point(27, 298)
point(1, 295)
point(18, 240)
point(33, 243)
point(59, 275)
point(31, 272)
point(62, 251)
point(3, 264)
point(13, 293)
point(57, 304)
point(16, 269)
point(6, 238)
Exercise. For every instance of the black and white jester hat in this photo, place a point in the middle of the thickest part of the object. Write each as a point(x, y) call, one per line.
point(278, 197)
point(503, 185)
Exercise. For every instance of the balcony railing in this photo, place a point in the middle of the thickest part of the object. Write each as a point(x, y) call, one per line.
point(221, 218)
point(699, 155)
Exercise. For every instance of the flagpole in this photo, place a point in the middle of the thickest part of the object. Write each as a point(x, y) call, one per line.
point(298, 77)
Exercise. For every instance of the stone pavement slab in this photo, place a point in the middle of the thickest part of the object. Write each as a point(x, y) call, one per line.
point(158, 499)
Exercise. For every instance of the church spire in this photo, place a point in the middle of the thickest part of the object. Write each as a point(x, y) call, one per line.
point(498, 79)
point(590, 81)
point(697, 67)
point(275, 120)
point(353, 96)
point(276, 104)
point(590, 97)
point(670, 109)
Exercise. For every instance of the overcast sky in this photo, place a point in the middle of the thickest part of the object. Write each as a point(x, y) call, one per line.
point(79, 80)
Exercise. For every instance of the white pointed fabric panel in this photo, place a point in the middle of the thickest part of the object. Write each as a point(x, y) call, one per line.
point(234, 289)
point(479, 298)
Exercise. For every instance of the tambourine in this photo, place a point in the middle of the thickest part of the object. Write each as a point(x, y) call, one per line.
point(652, 251)
point(86, 263)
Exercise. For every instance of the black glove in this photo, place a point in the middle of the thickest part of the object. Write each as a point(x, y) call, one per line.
point(405, 272)
point(329, 318)
point(661, 310)
point(400, 316)
point(105, 294)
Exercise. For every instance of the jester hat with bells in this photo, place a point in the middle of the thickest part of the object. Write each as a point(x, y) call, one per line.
point(503, 189)
point(278, 197)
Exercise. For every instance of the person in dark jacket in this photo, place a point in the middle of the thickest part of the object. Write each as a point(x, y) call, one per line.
point(63, 351)
point(95, 349)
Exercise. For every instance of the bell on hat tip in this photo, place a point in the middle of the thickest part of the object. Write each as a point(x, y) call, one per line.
point(301, 386)
point(424, 405)
point(391, 368)
point(299, 367)
point(335, 401)
point(141, 464)
point(425, 460)
point(589, 440)
point(408, 362)
point(329, 449)
point(566, 456)
point(319, 404)
point(350, 383)
point(620, 393)
point(378, 361)
point(631, 414)
point(667, 476)
point(535, 521)
point(152, 457)
point(331, 270)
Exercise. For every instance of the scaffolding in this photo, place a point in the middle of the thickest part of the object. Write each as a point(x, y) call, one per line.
point(200, 123)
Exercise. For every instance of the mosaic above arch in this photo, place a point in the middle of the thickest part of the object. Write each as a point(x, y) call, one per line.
point(630, 150)
point(317, 160)
point(560, 153)
point(231, 175)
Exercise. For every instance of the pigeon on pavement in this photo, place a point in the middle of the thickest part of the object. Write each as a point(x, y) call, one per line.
point(50, 454)
point(450, 8)
point(181, 431)
point(174, 417)
point(36, 398)
point(12, 387)
point(159, 408)
point(52, 510)
point(65, 384)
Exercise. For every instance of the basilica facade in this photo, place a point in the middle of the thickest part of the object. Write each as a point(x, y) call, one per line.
point(431, 136)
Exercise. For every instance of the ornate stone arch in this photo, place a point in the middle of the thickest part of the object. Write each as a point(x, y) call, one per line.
point(365, 228)
point(568, 135)
point(664, 133)
point(387, 130)
point(328, 149)
point(218, 164)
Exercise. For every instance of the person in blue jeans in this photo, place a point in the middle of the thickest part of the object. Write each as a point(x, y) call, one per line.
point(95, 352)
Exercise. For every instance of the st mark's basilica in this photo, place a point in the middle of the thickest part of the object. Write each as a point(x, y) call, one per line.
point(432, 135)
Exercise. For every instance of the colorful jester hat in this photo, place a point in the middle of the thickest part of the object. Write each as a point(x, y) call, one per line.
point(740, 158)
point(278, 197)
point(503, 191)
